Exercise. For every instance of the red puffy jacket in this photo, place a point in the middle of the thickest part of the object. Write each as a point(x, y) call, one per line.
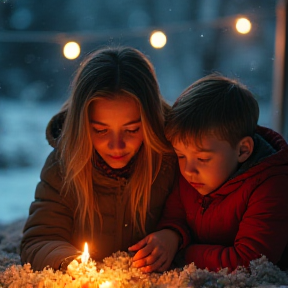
point(244, 218)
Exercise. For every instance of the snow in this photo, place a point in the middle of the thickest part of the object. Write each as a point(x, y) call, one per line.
point(23, 150)
point(17, 192)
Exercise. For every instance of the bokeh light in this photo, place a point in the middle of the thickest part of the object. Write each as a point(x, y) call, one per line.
point(243, 25)
point(158, 39)
point(71, 50)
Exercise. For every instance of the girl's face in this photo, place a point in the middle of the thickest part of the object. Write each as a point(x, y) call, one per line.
point(116, 129)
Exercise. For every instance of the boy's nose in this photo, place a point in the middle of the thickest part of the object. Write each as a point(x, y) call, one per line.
point(116, 142)
point(190, 168)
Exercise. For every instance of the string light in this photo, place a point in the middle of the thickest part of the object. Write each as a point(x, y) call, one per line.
point(158, 39)
point(71, 50)
point(243, 25)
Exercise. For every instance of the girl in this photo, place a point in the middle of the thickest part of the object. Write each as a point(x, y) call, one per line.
point(111, 170)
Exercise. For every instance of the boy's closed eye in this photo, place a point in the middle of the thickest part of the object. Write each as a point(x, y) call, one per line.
point(180, 156)
point(204, 160)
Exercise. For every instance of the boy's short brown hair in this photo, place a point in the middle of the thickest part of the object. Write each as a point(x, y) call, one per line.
point(213, 105)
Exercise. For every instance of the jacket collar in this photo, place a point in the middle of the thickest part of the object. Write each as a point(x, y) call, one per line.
point(262, 149)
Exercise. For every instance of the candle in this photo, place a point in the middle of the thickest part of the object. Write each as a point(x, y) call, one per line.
point(76, 269)
point(106, 284)
point(85, 256)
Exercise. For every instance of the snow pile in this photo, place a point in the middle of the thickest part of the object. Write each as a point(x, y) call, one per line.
point(118, 271)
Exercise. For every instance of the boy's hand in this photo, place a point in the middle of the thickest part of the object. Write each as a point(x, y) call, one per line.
point(156, 251)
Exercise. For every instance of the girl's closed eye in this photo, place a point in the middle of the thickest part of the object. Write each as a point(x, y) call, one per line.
point(132, 130)
point(100, 131)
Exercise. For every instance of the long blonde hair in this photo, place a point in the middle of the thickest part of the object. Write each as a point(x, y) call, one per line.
point(107, 73)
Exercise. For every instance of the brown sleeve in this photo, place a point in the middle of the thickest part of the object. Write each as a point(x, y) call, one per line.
point(47, 232)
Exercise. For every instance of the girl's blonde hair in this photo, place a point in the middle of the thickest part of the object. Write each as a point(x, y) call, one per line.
point(109, 73)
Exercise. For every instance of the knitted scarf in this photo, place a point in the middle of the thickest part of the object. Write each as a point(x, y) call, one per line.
point(99, 163)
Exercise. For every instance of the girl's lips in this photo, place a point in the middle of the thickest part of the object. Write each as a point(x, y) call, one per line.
point(196, 185)
point(117, 157)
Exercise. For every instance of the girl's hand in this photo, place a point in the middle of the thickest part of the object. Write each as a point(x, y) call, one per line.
point(156, 251)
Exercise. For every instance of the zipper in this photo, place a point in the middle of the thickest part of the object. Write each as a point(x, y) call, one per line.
point(205, 204)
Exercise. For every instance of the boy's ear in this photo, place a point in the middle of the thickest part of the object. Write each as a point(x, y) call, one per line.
point(245, 148)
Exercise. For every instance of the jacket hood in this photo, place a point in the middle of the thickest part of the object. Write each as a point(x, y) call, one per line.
point(273, 138)
point(54, 128)
point(270, 152)
point(279, 154)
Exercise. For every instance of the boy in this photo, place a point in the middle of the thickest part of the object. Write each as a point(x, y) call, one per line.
point(231, 202)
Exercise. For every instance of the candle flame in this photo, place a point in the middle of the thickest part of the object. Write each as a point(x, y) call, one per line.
point(85, 256)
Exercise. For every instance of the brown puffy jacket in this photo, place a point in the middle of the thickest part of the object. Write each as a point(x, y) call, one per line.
point(51, 232)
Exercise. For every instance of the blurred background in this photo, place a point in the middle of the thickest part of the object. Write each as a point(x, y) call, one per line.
point(198, 37)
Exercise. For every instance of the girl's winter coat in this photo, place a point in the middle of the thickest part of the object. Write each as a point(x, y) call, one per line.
point(244, 218)
point(51, 232)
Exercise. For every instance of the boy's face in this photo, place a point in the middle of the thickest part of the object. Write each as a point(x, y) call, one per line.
point(207, 167)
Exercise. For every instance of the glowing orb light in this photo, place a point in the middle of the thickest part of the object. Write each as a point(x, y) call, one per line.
point(158, 39)
point(71, 50)
point(243, 25)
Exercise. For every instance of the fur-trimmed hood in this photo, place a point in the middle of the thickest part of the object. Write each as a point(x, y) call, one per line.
point(54, 128)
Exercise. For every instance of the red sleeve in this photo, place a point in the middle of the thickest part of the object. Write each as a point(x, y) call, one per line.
point(262, 231)
point(174, 216)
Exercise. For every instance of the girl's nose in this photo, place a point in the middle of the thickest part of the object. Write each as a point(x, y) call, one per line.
point(116, 142)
